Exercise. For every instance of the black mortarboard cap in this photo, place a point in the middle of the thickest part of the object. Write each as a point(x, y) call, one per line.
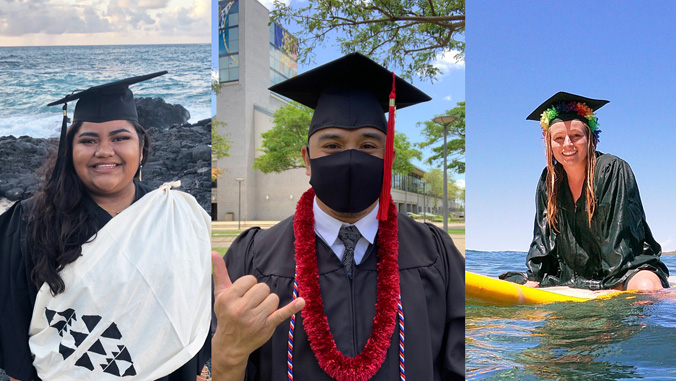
point(349, 92)
point(564, 97)
point(102, 103)
point(110, 101)
point(353, 92)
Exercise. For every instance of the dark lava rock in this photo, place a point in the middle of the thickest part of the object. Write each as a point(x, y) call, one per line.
point(181, 152)
point(202, 152)
point(14, 194)
point(155, 112)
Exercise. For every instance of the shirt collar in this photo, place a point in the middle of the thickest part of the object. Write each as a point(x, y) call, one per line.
point(328, 227)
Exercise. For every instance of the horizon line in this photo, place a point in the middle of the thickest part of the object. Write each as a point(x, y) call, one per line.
point(84, 45)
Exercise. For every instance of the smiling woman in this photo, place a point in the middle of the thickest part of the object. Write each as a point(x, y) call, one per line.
point(90, 298)
point(106, 158)
point(590, 227)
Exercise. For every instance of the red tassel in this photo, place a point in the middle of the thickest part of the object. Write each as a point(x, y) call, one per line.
point(385, 195)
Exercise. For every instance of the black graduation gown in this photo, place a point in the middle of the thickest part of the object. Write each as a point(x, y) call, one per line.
point(18, 295)
point(432, 278)
point(604, 255)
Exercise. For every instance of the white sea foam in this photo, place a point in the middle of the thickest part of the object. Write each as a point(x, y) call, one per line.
point(44, 125)
point(5, 204)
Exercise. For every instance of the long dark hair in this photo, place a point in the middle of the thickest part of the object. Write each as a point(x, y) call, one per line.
point(58, 222)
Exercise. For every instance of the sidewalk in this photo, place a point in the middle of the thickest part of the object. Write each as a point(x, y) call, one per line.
point(231, 226)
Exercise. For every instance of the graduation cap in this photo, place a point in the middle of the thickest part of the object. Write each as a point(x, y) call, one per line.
point(98, 104)
point(564, 106)
point(353, 92)
point(350, 92)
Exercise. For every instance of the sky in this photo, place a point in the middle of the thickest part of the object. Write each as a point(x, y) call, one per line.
point(103, 22)
point(519, 53)
point(447, 90)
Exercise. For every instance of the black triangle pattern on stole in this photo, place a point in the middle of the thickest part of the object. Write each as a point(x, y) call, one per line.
point(91, 321)
point(112, 332)
point(67, 313)
point(111, 367)
point(97, 347)
point(70, 316)
point(85, 362)
point(124, 354)
point(49, 314)
point(79, 337)
point(65, 351)
point(130, 371)
point(60, 326)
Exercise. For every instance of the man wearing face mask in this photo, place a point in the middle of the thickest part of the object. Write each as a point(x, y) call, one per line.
point(351, 275)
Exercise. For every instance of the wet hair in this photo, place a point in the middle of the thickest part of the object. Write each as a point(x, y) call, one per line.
point(58, 222)
point(555, 175)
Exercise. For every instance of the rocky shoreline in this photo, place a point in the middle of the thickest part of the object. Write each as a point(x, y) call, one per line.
point(179, 151)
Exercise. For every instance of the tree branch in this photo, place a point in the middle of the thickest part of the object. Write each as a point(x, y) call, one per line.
point(432, 7)
point(420, 19)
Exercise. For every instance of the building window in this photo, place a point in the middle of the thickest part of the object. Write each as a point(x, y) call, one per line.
point(407, 183)
point(228, 40)
point(283, 54)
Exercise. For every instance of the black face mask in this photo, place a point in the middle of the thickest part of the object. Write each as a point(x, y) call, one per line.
point(347, 182)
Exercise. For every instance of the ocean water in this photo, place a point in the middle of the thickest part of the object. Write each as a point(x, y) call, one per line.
point(628, 337)
point(32, 77)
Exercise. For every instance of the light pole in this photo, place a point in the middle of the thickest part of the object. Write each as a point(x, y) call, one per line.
point(239, 212)
point(445, 121)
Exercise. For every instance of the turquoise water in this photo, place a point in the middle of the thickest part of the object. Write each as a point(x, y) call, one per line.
point(32, 77)
point(627, 337)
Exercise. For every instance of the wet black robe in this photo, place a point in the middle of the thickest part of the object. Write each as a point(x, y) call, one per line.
point(18, 294)
point(432, 278)
point(604, 255)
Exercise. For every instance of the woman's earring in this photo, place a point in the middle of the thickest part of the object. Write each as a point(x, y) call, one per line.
point(140, 172)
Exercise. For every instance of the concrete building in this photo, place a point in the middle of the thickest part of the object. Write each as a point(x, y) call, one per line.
point(250, 61)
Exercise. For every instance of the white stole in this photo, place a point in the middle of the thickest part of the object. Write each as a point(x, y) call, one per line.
point(137, 304)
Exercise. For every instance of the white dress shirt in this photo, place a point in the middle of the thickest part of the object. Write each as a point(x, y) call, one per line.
point(327, 229)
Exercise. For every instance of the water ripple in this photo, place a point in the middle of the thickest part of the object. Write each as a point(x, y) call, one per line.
point(627, 337)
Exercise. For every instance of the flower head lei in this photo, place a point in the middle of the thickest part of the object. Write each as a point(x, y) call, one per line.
point(579, 108)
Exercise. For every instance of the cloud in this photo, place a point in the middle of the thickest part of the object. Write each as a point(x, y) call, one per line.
point(447, 98)
point(193, 20)
point(449, 61)
point(123, 21)
point(152, 4)
point(42, 17)
point(128, 16)
point(270, 4)
point(460, 183)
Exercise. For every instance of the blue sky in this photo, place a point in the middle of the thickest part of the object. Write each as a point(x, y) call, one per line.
point(518, 54)
point(446, 91)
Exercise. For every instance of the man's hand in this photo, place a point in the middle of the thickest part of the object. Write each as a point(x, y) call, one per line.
point(247, 316)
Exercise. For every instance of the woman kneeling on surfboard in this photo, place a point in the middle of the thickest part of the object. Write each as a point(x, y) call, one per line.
point(590, 228)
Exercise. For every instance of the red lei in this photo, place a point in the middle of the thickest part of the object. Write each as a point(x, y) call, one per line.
point(331, 360)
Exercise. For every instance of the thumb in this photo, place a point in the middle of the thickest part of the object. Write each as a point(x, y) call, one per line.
point(221, 277)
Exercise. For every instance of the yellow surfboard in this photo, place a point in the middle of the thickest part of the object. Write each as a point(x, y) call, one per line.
point(480, 289)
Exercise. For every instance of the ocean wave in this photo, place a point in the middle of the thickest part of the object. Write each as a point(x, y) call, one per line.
point(48, 124)
point(50, 73)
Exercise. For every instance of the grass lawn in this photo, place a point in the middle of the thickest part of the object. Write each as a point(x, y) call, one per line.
point(220, 250)
point(456, 231)
point(226, 233)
